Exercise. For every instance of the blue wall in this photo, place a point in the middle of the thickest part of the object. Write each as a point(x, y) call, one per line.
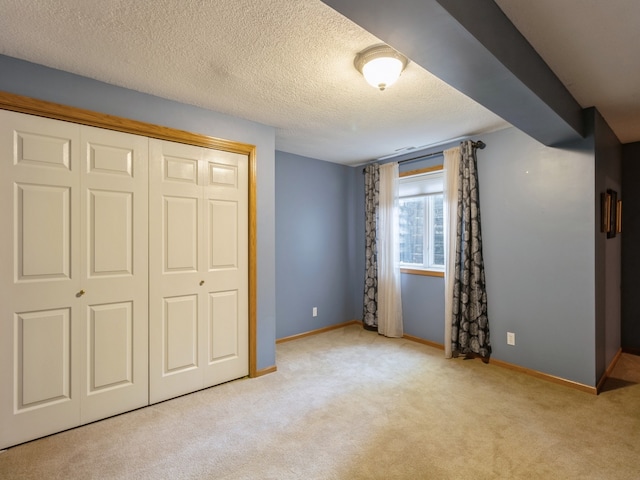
point(44, 83)
point(357, 249)
point(538, 223)
point(314, 234)
point(539, 246)
point(538, 228)
point(423, 307)
point(552, 278)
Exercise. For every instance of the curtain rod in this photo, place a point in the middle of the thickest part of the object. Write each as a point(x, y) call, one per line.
point(479, 144)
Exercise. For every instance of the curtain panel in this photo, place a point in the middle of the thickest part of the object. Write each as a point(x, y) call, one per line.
point(451, 170)
point(470, 322)
point(371, 193)
point(389, 281)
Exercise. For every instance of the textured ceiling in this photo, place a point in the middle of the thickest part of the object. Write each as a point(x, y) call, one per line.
point(592, 47)
point(289, 64)
point(283, 63)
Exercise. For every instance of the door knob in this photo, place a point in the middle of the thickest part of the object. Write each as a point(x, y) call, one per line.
point(201, 282)
point(80, 293)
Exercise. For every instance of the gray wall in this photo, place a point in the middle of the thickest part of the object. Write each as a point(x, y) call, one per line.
point(314, 238)
point(608, 160)
point(43, 83)
point(630, 252)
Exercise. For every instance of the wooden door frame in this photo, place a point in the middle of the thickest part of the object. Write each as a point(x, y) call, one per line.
point(41, 108)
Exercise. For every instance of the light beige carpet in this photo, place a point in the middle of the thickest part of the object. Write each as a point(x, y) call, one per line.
point(349, 404)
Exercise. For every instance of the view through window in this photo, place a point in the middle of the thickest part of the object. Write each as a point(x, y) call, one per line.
point(421, 221)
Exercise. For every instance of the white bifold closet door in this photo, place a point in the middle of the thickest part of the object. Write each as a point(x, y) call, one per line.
point(74, 275)
point(198, 277)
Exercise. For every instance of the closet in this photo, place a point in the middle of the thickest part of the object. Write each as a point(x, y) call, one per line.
point(124, 272)
point(198, 268)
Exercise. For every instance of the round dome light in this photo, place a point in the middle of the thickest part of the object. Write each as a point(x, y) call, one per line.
point(380, 65)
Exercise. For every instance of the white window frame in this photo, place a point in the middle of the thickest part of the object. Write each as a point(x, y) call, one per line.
point(433, 185)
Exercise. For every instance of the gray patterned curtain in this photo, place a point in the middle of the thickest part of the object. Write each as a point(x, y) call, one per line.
point(371, 190)
point(470, 324)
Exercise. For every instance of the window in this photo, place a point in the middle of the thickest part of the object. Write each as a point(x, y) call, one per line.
point(421, 221)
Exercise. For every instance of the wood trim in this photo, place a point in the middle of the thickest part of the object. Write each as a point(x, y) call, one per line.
point(499, 363)
point(517, 368)
point(319, 330)
point(409, 173)
point(41, 108)
point(426, 273)
point(609, 370)
point(429, 343)
point(265, 371)
point(253, 266)
point(545, 376)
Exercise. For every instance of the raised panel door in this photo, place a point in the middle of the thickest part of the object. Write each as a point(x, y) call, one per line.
point(199, 268)
point(74, 297)
point(114, 272)
point(175, 209)
point(40, 266)
point(225, 266)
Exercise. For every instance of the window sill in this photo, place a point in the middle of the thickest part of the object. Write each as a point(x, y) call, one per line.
point(426, 273)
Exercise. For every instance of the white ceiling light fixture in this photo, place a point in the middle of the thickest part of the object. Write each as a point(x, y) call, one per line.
point(380, 65)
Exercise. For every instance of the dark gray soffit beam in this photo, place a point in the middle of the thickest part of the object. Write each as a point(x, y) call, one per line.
point(472, 46)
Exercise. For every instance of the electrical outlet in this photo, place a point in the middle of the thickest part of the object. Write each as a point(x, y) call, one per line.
point(511, 338)
point(315, 311)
